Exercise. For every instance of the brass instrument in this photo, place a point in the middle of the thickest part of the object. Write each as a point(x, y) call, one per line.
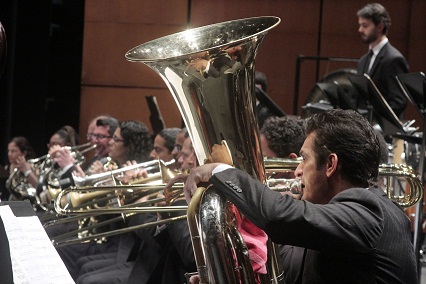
point(388, 171)
point(415, 193)
point(216, 105)
point(109, 176)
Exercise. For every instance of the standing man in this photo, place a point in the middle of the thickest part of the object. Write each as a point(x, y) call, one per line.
point(383, 61)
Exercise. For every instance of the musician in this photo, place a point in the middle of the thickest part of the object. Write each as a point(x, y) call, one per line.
point(180, 138)
point(130, 144)
point(100, 132)
point(383, 61)
point(188, 159)
point(283, 137)
point(352, 233)
point(19, 151)
point(164, 143)
point(166, 253)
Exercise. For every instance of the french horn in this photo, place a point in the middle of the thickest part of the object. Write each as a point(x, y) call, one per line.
point(210, 73)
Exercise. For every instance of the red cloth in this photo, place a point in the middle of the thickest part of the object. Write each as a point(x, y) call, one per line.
point(255, 240)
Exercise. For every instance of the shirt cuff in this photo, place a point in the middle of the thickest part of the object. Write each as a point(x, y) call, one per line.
point(221, 168)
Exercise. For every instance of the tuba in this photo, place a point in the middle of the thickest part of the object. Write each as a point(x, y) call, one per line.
point(210, 73)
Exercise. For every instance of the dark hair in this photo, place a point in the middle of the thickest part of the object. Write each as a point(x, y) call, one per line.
point(285, 135)
point(169, 135)
point(108, 121)
point(137, 139)
point(376, 13)
point(68, 135)
point(260, 78)
point(351, 137)
point(24, 146)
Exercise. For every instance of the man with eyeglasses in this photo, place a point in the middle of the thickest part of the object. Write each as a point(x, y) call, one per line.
point(100, 132)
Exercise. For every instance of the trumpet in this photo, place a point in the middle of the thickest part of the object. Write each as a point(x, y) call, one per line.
point(108, 176)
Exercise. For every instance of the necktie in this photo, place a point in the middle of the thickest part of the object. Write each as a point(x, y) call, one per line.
point(367, 63)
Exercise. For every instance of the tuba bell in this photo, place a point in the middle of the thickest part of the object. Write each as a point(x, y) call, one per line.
point(210, 73)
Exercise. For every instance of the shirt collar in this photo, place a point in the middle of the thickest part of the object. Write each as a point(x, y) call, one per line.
point(380, 45)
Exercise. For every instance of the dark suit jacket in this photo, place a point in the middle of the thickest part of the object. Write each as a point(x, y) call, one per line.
point(166, 257)
point(388, 63)
point(361, 236)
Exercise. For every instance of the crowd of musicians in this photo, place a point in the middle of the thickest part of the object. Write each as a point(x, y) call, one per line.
point(340, 228)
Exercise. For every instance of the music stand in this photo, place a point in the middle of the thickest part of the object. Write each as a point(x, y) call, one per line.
point(413, 86)
point(338, 97)
point(375, 100)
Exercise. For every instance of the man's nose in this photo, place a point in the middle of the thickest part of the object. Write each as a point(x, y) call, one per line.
point(298, 171)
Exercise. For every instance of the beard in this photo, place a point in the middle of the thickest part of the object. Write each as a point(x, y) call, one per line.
point(368, 38)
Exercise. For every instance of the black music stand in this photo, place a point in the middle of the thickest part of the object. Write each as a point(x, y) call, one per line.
point(337, 96)
point(375, 100)
point(413, 85)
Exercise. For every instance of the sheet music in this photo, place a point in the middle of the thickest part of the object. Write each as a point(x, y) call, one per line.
point(34, 259)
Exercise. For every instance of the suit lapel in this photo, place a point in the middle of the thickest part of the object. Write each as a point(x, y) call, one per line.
point(378, 59)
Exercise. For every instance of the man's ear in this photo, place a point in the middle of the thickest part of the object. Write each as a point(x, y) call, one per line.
point(380, 27)
point(292, 156)
point(332, 162)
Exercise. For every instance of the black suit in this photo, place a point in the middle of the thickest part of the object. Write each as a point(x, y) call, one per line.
point(389, 62)
point(361, 236)
point(165, 257)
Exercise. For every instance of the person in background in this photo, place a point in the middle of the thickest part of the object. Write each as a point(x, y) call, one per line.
point(187, 159)
point(19, 151)
point(164, 144)
point(383, 61)
point(130, 144)
point(177, 149)
point(282, 137)
point(100, 132)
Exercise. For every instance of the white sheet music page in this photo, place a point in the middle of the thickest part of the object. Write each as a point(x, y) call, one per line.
point(34, 259)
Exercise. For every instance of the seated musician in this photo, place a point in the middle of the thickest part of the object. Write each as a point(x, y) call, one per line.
point(350, 232)
point(168, 247)
point(97, 271)
point(19, 151)
point(131, 142)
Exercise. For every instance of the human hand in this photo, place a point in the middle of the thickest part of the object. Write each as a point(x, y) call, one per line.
point(61, 156)
point(96, 167)
point(133, 174)
point(22, 164)
point(221, 154)
point(196, 176)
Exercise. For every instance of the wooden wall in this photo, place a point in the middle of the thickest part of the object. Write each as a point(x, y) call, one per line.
point(110, 84)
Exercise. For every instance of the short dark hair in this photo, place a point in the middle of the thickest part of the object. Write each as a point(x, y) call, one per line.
point(108, 121)
point(351, 137)
point(377, 13)
point(285, 135)
point(260, 78)
point(137, 139)
point(169, 135)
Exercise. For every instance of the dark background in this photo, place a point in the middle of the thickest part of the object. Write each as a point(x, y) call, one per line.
point(40, 86)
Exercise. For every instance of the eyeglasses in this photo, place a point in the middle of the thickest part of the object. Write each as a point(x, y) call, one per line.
point(97, 136)
point(116, 139)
